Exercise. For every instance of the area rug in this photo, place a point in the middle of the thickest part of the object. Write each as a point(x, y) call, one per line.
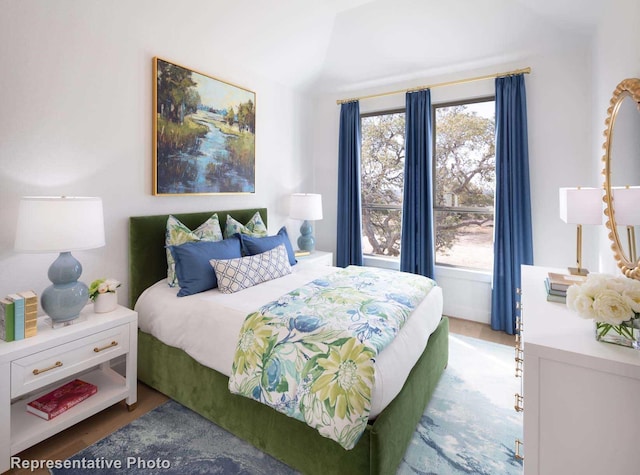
point(469, 427)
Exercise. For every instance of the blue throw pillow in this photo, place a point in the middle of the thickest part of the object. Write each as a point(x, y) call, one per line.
point(252, 245)
point(194, 272)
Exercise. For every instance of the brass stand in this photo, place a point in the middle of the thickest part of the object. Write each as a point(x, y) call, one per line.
point(578, 270)
point(631, 236)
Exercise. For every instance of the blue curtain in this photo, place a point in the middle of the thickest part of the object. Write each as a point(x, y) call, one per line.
point(417, 247)
point(512, 239)
point(349, 245)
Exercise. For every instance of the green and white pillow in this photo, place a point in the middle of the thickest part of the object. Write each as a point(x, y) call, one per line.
point(244, 272)
point(255, 226)
point(178, 233)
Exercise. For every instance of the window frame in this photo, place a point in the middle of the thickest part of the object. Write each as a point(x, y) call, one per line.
point(374, 207)
point(455, 209)
point(434, 209)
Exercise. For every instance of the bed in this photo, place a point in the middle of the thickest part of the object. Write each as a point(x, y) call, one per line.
point(173, 372)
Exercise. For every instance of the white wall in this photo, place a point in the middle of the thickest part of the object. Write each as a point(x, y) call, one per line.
point(76, 112)
point(616, 56)
point(559, 121)
point(75, 119)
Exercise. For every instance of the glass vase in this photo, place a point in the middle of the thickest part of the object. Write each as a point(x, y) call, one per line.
point(625, 334)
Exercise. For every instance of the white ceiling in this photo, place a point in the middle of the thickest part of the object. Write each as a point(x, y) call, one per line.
point(343, 44)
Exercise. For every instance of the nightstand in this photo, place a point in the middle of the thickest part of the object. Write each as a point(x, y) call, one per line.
point(322, 258)
point(34, 366)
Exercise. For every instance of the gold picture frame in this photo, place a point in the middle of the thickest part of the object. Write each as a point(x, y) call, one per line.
point(203, 133)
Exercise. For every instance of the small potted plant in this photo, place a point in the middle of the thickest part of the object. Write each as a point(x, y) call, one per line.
point(103, 294)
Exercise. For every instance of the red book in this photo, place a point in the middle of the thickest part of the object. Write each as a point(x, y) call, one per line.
point(59, 400)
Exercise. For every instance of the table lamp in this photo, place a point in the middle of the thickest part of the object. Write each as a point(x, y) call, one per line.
point(308, 207)
point(61, 224)
point(580, 206)
point(626, 212)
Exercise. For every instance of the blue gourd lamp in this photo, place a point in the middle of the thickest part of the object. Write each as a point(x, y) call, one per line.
point(61, 224)
point(307, 207)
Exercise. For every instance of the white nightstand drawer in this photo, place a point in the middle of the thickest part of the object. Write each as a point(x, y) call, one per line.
point(38, 370)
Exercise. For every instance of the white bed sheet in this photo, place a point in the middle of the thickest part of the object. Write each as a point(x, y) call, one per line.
point(206, 326)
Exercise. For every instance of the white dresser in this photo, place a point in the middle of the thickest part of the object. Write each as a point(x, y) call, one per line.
point(581, 397)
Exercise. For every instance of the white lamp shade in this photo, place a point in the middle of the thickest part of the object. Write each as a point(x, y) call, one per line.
point(581, 205)
point(306, 206)
point(626, 205)
point(59, 224)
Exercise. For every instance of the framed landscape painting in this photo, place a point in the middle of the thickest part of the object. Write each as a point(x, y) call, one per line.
point(203, 132)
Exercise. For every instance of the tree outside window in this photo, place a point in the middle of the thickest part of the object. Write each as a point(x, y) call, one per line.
point(464, 183)
point(382, 182)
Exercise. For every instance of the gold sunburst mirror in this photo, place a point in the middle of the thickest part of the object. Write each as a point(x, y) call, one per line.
point(622, 174)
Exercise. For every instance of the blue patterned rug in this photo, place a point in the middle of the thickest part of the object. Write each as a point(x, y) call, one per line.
point(469, 427)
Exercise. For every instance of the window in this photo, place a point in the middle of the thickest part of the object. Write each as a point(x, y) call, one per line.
point(382, 182)
point(464, 183)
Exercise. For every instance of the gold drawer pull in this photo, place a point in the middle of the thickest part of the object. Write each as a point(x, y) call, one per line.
point(98, 350)
point(519, 405)
point(519, 357)
point(519, 369)
point(517, 454)
point(39, 371)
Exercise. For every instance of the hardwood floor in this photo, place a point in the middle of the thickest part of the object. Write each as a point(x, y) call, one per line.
point(89, 431)
point(481, 331)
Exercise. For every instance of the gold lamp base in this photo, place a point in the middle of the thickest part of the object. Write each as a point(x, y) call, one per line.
point(578, 271)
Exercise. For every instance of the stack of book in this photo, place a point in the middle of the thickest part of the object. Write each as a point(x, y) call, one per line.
point(557, 285)
point(59, 400)
point(19, 316)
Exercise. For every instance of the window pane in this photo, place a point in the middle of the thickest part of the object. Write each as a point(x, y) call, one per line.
point(382, 181)
point(464, 239)
point(465, 155)
point(381, 231)
point(464, 183)
point(464, 180)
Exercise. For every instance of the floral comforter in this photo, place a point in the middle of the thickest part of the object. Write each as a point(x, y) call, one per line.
point(310, 354)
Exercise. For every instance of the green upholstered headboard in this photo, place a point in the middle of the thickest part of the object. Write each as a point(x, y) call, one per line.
point(147, 254)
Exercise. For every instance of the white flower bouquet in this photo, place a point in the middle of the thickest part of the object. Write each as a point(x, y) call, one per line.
point(102, 286)
point(613, 302)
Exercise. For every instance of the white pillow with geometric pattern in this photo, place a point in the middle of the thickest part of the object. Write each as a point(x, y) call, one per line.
point(244, 272)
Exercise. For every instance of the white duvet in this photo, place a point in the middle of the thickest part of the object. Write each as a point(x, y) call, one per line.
point(206, 326)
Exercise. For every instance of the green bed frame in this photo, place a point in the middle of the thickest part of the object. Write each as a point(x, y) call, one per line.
point(174, 373)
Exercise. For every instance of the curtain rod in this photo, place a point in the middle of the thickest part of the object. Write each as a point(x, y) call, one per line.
point(441, 84)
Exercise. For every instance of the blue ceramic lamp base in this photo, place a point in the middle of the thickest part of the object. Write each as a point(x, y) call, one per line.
point(306, 241)
point(63, 300)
